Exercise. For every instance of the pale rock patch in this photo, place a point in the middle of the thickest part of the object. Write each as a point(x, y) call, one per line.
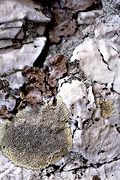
point(18, 58)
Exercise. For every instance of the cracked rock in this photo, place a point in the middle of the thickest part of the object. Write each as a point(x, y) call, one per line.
point(100, 55)
point(79, 60)
point(80, 5)
point(18, 58)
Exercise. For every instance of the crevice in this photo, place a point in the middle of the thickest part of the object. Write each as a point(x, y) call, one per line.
point(96, 165)
point(42, 57)
point(95, 6)
point(104, 60)
point(13, 71)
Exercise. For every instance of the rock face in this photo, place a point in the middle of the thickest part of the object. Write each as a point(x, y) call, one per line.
point(79, 74)
point(99, 57)
point(9, 11)
point(81, 5)
point(17, 59)
point(20, 44)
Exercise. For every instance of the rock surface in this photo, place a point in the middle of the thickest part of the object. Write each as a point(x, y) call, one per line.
point(82, 66)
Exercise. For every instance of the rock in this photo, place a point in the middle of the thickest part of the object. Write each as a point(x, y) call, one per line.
point(63, 25)
point(10, 29)
point(27, 9)
point(84, 62)
point(7, 100)
point(5, 43)
point(16, 80)
point(112, 168)
point(39, 85)
point(40, 30)
point(80, 5)
point(99, 56)
point(91, 61)
point(9, 33)
point(18, 58)
point(88, 17)
point(75, 91)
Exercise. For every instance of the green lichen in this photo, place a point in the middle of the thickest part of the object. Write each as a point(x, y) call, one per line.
point(2, 132)
point(107, 108)
point(38, 137)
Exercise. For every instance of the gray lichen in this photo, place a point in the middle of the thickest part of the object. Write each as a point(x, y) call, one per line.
point(39, 136)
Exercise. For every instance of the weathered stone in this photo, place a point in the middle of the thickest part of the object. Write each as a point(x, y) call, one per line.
point(18, 58)
point(90, 89)
point(17, 10)
point(80, 5)
point(91, 61)
point(99, 56)
point(5, 43)
point(88, 17)
point(16, 80)
point(7, 100)
point(10, 29)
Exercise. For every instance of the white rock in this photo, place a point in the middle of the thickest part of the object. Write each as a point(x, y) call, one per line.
point(91, 61)
point(99, 56)
point(99, 140)
point(77, 141)
point(15, 80)
point(109, 29)
point(18, 58)
point(64, 175)
point(72, 92)
point(90, 95)
point(16, 10)
point(109, 171)
point(16, 24)
point(10, 29)
point(9, 33)
point(88, 17)
point(116, 85)
point(5, 43)
point(9, 102)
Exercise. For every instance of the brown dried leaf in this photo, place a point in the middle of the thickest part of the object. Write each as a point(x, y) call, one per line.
point(4, 113)
point(57, 66)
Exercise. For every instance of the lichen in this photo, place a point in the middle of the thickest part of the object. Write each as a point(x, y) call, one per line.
point(38, 136)
point(106, 108)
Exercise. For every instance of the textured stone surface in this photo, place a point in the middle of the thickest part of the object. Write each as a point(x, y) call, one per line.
point(99, 57)
point(83, 68)
point(18, 58)
point(9, 11)
point(80, 5)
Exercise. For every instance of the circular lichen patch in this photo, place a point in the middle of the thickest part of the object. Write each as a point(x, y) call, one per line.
point(39, 136)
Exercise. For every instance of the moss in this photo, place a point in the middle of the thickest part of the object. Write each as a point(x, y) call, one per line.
point(38, 137)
